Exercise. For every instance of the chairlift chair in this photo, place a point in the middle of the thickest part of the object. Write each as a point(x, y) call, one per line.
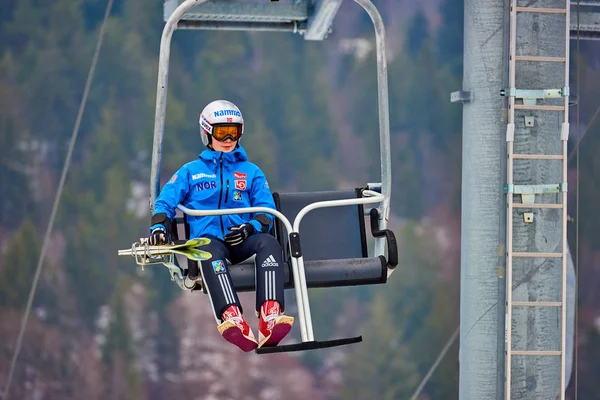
point(323, 234)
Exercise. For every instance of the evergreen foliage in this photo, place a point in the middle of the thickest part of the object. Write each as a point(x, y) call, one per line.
point(381, 366)
point(408, 321)
point(18, 265)
point(15, 142)
point(124, 380)
point(299, 119)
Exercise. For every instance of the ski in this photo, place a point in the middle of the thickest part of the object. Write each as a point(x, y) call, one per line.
point(193, 253)
point(198, 242)
point(188, 249)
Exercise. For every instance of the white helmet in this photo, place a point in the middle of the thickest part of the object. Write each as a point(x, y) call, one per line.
point(219, 112)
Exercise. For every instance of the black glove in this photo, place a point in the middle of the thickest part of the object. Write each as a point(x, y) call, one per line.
point(158, 236)
point(239, 233)
point(159, 232)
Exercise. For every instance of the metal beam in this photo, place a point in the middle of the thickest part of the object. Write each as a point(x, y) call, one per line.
point(589, 20)
point(310, 17)
point(294, 27)
point(242, 11)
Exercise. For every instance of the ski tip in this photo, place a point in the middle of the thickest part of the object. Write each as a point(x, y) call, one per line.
point(197, 242)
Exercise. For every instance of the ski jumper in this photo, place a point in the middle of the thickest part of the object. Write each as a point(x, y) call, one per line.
point(225, 180)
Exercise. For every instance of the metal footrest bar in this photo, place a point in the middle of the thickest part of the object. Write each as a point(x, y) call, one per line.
point(310, 345)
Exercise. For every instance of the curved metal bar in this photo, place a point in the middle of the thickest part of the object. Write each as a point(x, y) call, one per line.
point(161, 94)
point(371, 197)
point(297, 271)
point(383, 107)
point(243, 210)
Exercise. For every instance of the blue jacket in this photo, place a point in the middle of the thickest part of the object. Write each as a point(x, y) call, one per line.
point(216, 180)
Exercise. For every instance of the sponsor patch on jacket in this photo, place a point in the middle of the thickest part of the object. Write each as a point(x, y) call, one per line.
point(218, 266)
point(201, 175)
point(239, 175)
point(240, 184)
point(237, 195)
point(173, 179)
point(206, 185)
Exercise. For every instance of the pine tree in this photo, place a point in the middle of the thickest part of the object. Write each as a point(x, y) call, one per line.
point(18, 266)
point(98, 222)
point(450, 36)
point(16, 199)
point(123, 378)
point(48, 42)
point(418, 33)
point(381, 367)
point(406, 325)
point(424, 305)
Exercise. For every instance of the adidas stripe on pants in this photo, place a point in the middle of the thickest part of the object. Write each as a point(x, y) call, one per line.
point(269, 271)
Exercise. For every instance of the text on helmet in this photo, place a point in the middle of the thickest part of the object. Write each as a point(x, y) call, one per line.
point(205, 124)
point(223, 113)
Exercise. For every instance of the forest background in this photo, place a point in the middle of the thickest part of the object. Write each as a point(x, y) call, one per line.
point(101, 329)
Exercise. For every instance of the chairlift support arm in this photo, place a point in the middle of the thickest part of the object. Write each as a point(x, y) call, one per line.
point(172, 24)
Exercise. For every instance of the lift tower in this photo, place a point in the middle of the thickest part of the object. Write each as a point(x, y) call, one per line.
point(515, 260)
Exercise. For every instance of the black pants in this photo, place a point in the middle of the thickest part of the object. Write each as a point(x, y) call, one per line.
point(269, 271)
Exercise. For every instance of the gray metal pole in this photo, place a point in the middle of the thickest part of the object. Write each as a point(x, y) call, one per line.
point(484, 131)
point(161, 94)
point(383, 113)
point(384, 120)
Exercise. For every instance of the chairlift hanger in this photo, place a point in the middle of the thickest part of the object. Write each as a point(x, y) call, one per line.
point(312, 18)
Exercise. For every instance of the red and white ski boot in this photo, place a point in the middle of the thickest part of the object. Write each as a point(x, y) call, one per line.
point(236, 330)
point(272, 326)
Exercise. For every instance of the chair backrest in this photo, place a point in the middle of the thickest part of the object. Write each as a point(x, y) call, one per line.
point(325, 233)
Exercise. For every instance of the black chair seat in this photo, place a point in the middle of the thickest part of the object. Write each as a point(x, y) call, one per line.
point(320, 273)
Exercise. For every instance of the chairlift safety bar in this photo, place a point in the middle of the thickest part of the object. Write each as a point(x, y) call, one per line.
point(299, 275)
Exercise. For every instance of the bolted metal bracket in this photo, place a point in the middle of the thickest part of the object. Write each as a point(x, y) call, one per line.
point(461, 96)
point(535, 94)
point(531, 96)
point(528, 199)
point(529, 121)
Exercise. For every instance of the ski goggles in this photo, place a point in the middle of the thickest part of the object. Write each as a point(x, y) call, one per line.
point(223, 131)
